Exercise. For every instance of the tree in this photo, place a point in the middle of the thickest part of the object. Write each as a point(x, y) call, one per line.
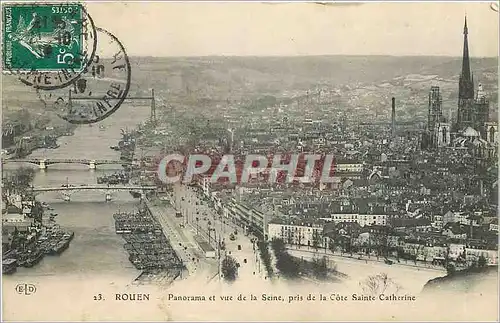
point(332, 245)
point(278, 245)
point(289, 237)
point(379, 284)
point(450, 269)
point(37, 212)
point(381, 240)
point(24, 117)
point(229, 268)
point(320, 267)
point(23, 177)
point(265, 256)
point(300, 238)
point(19, 181)
point(473, 218)
point(316, 239)
point(285, 263)
point(425, 253)
point(482, 262)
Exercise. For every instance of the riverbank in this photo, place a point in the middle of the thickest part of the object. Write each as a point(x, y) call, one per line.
point(364, 259)
point(29, 232)
point(24, 144)
point(468, 280)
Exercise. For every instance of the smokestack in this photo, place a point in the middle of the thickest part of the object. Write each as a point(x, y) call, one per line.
point(393, 117)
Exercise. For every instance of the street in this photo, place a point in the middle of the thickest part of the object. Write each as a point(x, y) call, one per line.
point(218, 231)
point(410, 278)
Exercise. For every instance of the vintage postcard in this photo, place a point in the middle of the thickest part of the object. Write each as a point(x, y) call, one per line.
point(249, 161)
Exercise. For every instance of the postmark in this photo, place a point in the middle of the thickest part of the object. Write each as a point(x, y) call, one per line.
point(99, 91)
point(48, 44)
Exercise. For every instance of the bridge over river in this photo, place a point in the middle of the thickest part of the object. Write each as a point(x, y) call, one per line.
point(44, 162)
point(66, 189)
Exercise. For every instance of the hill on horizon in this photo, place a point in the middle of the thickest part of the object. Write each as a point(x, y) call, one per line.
point(208, 81)
point(287, 73)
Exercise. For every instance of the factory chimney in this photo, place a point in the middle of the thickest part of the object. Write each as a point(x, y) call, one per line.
point(393, 117)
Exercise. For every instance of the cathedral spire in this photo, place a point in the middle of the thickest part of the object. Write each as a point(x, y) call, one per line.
point(466, 86)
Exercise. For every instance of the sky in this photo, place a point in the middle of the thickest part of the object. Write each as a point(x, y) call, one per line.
point(288, 29)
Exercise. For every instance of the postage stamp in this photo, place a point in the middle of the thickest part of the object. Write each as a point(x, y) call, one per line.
point(99, 90)
point(50, 80)
point(43, 37)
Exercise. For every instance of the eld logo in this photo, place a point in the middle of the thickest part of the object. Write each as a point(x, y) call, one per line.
point(25, 289)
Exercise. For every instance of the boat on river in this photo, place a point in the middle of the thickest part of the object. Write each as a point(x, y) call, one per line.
point(9, 266)
point(32, 257)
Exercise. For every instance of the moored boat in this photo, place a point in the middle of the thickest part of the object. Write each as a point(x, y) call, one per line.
point(33, 258)
point(9, 266)
point(59, 247)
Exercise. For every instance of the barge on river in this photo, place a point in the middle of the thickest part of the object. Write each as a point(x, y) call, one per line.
point(147, 246)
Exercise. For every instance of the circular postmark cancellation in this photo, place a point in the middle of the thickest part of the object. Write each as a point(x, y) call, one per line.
point(49, 45)
point(99, 91)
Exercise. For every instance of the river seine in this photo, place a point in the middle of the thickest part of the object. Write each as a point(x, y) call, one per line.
point(96, 248)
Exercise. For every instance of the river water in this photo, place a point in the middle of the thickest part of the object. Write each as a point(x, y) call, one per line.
point(96, 253)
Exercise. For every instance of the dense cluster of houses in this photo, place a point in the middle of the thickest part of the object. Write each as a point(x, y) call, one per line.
point(350, 225)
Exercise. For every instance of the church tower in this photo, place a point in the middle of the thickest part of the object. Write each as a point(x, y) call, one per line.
point(435, 112)
point(482, 112)
point(465, 116)
point(438, 129)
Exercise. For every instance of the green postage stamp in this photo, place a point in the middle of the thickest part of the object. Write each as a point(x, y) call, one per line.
point(42, 37)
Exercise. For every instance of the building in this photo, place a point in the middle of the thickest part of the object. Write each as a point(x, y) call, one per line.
point(492, 132)
point(493, 226)
point(473, 111)
point(298, 232)
point(437, 221)
point(14, 215)
point(206, 185)
point(472, 130)
point(455, 217)
point(455, 230)
point(343, 168)
point(473, 255)
point(247, 216)
point(361, 219)
point(438, 128)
